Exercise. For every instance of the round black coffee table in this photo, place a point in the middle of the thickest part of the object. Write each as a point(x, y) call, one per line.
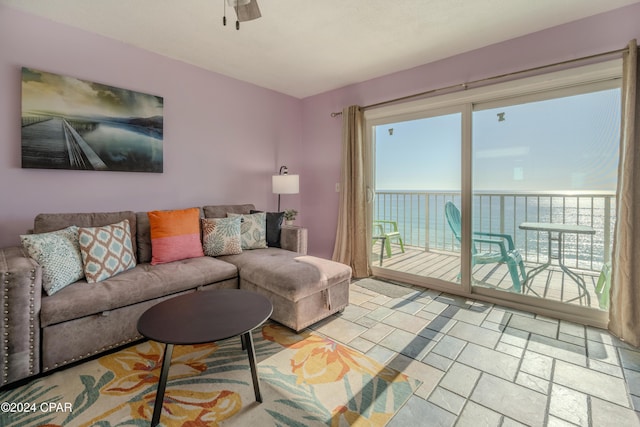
point(203, 317)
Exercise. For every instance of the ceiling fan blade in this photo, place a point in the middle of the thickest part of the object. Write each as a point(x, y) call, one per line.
point(248, 12)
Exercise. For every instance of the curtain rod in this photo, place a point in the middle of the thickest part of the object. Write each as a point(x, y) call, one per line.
point(465, 86)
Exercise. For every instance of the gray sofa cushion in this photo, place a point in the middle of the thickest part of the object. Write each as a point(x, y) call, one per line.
point(142, 283)
point(220, 211)
point(46, 222)
point(288, 274)
point(143, 237)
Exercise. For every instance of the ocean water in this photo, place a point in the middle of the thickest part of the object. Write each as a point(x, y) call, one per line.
point(422, 223)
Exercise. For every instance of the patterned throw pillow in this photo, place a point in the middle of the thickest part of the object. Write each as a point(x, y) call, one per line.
point(253, 230)
point(58, 254)
point(274, 227)
point(221, 236)
point(106, 251)
point(175, 235)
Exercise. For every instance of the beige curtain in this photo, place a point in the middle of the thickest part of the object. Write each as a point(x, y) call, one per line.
point(624, 315)
point(353, 236)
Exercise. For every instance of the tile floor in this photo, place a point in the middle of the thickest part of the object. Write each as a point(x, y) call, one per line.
point(487, 365)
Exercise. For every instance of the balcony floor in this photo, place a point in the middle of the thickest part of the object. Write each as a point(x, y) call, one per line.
point(552, 283)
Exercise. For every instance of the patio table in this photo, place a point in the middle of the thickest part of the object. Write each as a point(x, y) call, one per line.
point(558, 230)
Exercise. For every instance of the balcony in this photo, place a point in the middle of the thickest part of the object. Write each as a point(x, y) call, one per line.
point(431, 249)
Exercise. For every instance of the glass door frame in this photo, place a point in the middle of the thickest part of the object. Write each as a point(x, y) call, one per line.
point(463, 103)
point(371, 121)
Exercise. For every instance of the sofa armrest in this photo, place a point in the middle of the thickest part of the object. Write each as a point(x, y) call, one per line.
point(20, 296)
point(294, 239)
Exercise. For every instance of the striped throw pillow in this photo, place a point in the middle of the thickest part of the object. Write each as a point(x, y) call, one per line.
point(175, 235)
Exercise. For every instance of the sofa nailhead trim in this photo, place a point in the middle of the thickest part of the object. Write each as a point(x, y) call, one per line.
point(5, 373)
point(32, 366)
point(32, 322)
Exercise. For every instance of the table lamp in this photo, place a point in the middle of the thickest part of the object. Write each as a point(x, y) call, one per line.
point(283, 183)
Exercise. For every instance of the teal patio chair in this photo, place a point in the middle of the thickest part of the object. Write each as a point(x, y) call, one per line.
point(388, 230)
point(502, 255)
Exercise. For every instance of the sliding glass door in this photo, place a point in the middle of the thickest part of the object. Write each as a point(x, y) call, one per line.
point(544, 176)
point(504, 192)
point(417, 172)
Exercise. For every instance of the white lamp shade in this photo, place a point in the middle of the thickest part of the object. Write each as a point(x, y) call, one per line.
point(285, 184)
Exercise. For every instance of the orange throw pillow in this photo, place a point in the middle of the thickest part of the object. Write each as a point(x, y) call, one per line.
point(175, 235)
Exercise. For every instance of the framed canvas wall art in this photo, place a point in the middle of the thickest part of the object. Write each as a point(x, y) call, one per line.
point(68, 123)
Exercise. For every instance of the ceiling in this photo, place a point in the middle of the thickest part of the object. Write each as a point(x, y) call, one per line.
point(305, 47)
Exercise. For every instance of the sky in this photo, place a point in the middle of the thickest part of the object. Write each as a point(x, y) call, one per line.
point(565, 144)
point(57, 94)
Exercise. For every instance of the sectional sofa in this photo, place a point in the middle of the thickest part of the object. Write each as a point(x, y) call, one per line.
point(42, 332)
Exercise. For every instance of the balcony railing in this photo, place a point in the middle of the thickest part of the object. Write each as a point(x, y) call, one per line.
point(421, 221)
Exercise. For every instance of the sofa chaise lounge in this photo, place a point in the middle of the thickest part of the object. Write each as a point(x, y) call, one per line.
point(43, 332)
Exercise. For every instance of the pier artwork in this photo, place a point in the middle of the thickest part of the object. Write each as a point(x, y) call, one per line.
point(69, 123)
point(52, 143)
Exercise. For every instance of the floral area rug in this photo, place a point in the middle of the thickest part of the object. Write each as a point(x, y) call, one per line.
point(305, 380)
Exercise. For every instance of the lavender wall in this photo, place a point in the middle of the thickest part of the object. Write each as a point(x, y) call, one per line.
point(223, 139)
point(211, 153)
point(322, 134)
